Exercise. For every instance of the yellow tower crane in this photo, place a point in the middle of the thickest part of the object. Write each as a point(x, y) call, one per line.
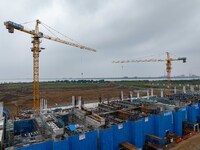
point(168, 61)
point(36, 50)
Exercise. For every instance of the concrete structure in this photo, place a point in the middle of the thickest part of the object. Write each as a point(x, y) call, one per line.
point(112, 121)
point(122, 95)
point(161, 93)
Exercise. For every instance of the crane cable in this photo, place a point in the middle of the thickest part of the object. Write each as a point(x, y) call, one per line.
point(49, 31)
point(28, 22)
point(150, 56)
point(60, 33)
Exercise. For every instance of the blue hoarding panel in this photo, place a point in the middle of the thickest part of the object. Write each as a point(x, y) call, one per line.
point(140, 129)
point(199, 106)
point(106, 139)
point(163, 123)
point(40, 146)
point(109, 139)
point(86, 141)
point(159, 128)
point(147, 127)
point(121, 133)
point(168, 121)
point(61, 145)
point(184, 113)
point(178, 122)
point(193, 112)
point(136, 131)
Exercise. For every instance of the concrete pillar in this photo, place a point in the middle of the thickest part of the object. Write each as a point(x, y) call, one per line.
point(192, 88)
point(138, 94)
point(40, 105)
point(73, 101)
point(151, 91)
point(184, 89)
point(131, 94)
point(147, 94)
point(161, 93)
point(1, 110)
point(82, 103)
point(175, 90)
point(79, 102)
point(45, 105)
point(44, 101)
point(122, 95)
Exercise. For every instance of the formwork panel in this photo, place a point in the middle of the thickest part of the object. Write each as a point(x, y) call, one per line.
point(106, 139)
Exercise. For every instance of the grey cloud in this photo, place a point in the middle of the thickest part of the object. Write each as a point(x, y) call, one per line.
point(127, 29)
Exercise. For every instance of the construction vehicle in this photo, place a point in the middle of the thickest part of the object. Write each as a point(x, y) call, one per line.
point(36, 49)
point(168, 61)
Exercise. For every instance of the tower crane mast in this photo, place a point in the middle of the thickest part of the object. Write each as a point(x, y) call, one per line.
point(36, 49)
point(168, 61)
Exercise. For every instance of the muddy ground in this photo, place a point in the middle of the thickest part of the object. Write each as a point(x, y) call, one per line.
point(193, 143)
point(20, 97)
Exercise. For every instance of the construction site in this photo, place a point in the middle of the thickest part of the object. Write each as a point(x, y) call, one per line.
point(147, 122)
point(147, 118)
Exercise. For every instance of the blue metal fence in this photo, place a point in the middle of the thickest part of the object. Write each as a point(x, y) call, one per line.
point(164, 123)
point(86, 141)
point(133, 132)
point(178, 122)
point(184, 113)
point(148, 127)
point(136, 131)
point(121, 133)
point(193, 112)
point(61, 145)
point(40, 146)
point(106, 139)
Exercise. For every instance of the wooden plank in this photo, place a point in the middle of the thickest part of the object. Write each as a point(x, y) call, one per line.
point(154, 137)
point(128, 146)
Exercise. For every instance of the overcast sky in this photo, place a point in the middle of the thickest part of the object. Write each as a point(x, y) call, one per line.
point(118, 30)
